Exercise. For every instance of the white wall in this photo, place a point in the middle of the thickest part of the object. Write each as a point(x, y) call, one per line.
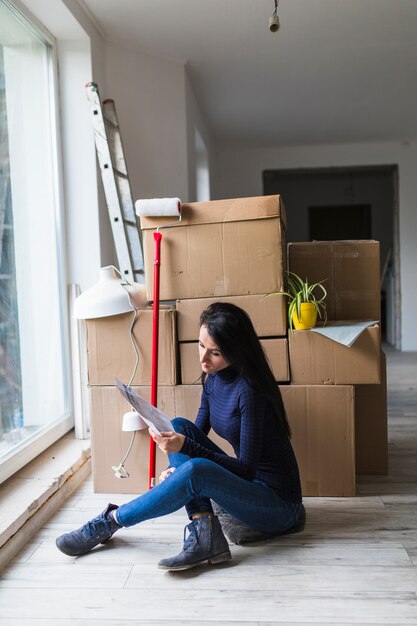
point(200, 148)
point(149, 94)
point(239, 174)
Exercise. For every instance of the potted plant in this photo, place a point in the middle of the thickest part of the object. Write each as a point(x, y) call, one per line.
point(305, 302)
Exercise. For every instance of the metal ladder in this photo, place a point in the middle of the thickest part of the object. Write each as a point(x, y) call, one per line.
point(126, 234)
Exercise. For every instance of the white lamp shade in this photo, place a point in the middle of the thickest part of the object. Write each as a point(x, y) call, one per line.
point(133, 421)
point(109, 296)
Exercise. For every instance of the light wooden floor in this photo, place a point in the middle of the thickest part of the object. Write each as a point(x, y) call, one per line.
point(354, 564)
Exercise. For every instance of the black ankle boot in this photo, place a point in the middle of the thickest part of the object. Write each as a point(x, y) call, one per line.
point(98, 530)
point(205, 542)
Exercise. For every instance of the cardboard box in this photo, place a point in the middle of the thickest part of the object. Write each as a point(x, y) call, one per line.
point(109, 443)
point(318, 360)
point(187, 403)
point(276, 351)
point(352, 273)
point(268, 316)
point(220, 248)
point(110, 352)
point(322, 419)
point(371, 426)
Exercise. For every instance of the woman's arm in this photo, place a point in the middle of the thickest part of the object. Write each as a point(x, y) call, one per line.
point(252, 406)
point(203, 416)
point(172, 442)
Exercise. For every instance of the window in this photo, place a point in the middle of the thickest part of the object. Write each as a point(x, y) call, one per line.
point(34, 389)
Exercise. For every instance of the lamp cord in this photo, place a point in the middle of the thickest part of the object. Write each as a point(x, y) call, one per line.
point(135, 348)
point(128, 450)
point(134, 319)
point(134, 344)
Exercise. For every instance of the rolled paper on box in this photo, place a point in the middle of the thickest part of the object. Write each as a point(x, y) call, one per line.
point(158, 207)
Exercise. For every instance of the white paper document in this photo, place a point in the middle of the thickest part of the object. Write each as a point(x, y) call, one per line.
point(156, 419)
point(345, 333)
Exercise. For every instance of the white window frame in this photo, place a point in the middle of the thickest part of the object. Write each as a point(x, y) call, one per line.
point(28, 449)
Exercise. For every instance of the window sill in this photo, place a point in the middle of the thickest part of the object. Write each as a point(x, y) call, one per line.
point(36, 491)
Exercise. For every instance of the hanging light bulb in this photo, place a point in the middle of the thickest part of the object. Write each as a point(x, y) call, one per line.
point(274, 24)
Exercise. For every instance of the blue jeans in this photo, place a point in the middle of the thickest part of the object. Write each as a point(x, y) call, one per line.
point(196, 481)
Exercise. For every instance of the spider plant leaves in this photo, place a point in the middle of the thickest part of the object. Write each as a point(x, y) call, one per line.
point(300, 291)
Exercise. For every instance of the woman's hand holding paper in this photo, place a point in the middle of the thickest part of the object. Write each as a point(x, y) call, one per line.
point(168, 441)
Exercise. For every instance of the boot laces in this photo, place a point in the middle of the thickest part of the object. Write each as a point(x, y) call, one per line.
point(96, 527)
point(193, 536)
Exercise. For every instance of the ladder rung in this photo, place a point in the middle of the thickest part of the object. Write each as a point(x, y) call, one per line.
point(111, 123)
point(119, 173)
point(126, 235)
point(116, 218)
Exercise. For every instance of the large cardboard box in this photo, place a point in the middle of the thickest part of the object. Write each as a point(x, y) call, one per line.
point(352, 273)
point(111, 353)
point(109, 443)
point(276, 351)
point(321, 417)
point(318, 360)
point(220, 248)
point(371, 426)
point(322, 420)
point(269, 316)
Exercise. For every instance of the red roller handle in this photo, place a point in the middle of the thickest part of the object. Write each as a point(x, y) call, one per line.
point(155, 337)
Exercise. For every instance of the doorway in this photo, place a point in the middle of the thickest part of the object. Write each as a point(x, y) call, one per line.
point(347, 203)
point(329, 223)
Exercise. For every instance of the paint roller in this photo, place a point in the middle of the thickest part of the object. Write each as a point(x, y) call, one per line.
point(157, 207)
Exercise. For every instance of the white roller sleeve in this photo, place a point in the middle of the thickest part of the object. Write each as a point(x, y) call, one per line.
point(158, 207)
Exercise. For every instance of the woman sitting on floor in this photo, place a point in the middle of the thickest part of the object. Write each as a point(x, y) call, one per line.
point(260, 487)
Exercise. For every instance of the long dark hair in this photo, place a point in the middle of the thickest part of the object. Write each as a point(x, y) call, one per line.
point(232, 331)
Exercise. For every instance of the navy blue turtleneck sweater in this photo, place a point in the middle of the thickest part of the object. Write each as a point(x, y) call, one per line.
point(248, 421)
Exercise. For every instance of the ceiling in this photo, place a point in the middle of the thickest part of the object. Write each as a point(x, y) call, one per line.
point(337, 71)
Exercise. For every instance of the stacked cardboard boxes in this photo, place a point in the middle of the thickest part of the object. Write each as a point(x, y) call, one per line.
point(337, 397)
point(241, 245)
point(268, 316)
point(111, 354)
point(230, 250)
point(227, 250)
point(235, 251)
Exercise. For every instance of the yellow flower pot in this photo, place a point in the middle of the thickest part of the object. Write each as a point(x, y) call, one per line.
point(308, 319)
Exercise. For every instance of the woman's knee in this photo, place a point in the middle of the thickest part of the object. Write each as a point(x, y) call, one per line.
point(199, 468)
point(180, 424)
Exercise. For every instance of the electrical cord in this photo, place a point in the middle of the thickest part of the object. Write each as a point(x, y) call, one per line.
point(120, 470)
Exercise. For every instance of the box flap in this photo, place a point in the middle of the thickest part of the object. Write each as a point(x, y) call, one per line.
point(218, 211)
point(345, 333)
